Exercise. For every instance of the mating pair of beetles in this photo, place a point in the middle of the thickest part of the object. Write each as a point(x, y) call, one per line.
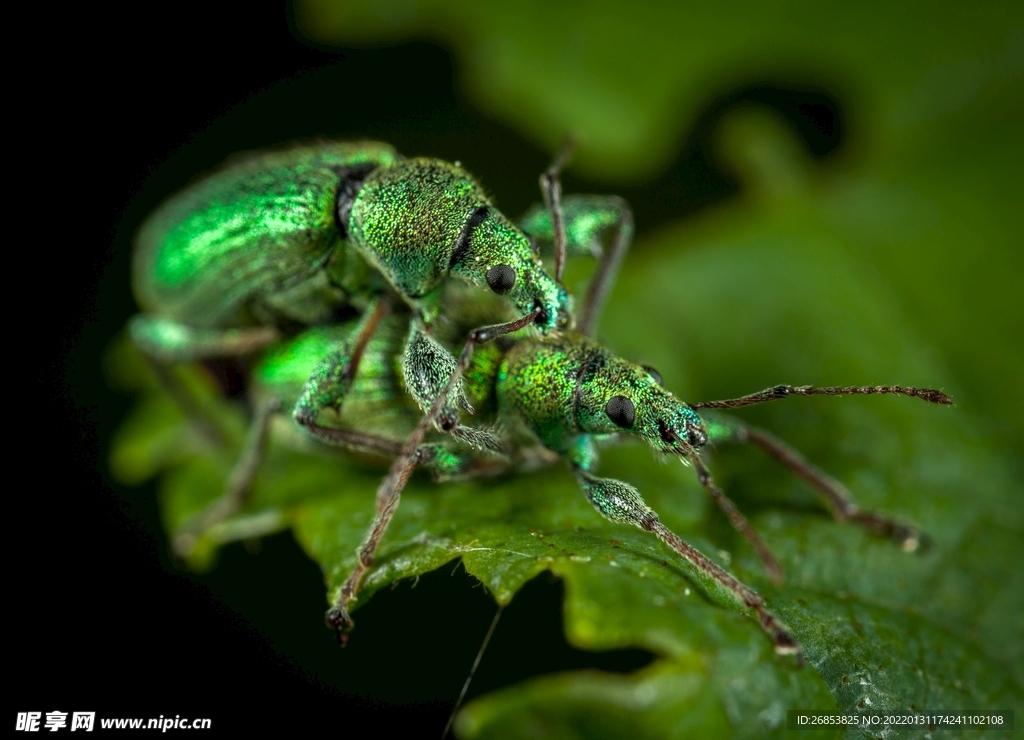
point(459, 323)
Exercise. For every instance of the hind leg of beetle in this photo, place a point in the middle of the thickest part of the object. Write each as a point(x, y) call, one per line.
point(239, 484)
point(163, 343)
point(171, 341)
point(390, 490)
point(622, 503)
point(726, 429)
point(389, 494)
point(210, 343)
point(332, 378)
point(585, 219)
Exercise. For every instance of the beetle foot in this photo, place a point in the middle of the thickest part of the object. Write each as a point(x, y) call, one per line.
point(337, 619)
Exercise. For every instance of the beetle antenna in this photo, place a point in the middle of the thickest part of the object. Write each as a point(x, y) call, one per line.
point(781, 391)
point(472, 671)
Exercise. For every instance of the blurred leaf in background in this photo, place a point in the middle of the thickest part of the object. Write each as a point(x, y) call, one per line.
point(897, 262)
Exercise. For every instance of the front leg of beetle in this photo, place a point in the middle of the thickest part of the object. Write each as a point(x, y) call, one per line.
point(427, 368)
point(621, 503)
point(723, 429)
point(332, 378)
point(586, 219)
point(389, 492)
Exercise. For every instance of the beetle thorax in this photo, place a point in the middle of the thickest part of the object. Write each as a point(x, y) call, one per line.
point(407, 218)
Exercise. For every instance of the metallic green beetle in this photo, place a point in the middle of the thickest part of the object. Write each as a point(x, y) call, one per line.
point(554, 397)
point(302, 234)
point(296, 235)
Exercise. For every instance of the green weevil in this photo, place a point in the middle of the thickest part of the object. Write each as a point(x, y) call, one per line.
point(299, 235)
point(554, 396)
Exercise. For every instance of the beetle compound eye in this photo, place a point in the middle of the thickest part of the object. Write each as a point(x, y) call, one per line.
point(620, 410)
point(653, 373)
point(696, 437)
point(501, 278)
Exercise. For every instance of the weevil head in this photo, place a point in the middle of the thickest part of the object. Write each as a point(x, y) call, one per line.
point(567, 384)
point(497, 256)
point(617, 396)
point(421, 220)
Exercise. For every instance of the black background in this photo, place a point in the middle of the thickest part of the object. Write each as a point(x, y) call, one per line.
point(133, 107)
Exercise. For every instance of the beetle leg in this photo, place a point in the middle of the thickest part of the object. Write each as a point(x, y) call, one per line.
point(622, 503)
point(443, 462)
point(332, 378)
point(551, 187)
point(427, 367)
point(390, 490)
point(170, 341)
point(585, 219)
point(738, 521)
point(726, 429)
point(239, 482)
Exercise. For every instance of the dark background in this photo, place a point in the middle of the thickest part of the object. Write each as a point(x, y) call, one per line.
point(102, 620)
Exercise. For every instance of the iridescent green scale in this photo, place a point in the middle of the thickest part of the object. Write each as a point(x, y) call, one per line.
point(262, 225)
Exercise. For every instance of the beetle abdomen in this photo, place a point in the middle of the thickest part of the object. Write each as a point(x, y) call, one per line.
point(261, 225)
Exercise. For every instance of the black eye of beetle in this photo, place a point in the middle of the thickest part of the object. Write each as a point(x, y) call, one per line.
point(620, 410)
point(696, 437)
point(653, 373)
point(501, 278)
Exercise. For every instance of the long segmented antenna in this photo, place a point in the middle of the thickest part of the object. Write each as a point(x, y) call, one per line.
point(782, 391)
point(472, 671)
point(551, 186)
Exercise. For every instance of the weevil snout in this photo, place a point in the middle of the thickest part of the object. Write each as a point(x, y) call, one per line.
point(612, 395)
point(683, 432)
point(557, 317)
point(554, 304)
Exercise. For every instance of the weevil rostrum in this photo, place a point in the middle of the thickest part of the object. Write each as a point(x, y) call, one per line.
point(240, 262)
